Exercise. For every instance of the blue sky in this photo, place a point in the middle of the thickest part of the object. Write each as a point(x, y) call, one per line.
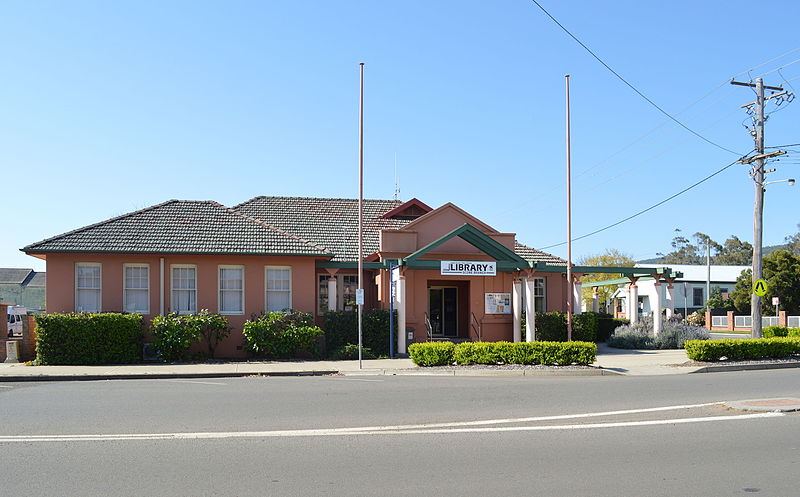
point(107, 107)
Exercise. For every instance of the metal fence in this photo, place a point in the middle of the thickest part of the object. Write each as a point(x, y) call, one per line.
point(719, 321)
point(747, 321)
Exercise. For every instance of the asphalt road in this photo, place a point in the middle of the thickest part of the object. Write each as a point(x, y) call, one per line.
point(401, 436)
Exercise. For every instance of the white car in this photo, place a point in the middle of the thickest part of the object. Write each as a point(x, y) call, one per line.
point(16, 314)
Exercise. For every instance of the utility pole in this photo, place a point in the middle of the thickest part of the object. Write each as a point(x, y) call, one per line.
point(757, 173)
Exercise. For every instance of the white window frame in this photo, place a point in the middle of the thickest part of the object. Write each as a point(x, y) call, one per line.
point(125, 288)
point(266, 286)
point(543, 296)
point(220, 290)
point(99, 288)
point(172, 288)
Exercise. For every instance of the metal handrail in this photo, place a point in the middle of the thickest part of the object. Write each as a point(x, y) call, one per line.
point(428, 327)
point(475, 325)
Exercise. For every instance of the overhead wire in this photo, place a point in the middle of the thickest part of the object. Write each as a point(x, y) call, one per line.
point(718, 171)
point(615, 73)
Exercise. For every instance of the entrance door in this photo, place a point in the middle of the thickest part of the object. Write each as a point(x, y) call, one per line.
point(443, 310)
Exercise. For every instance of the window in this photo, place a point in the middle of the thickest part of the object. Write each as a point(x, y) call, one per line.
point(697, 297)
point(231, 289)
point(539, 301)
point(346, 286)
point(87, 287)
point(184, 289)
point(136, 288)
point(349, 284)
point(279, 288)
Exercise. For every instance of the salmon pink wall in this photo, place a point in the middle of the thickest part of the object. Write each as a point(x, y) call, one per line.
point(61, 285)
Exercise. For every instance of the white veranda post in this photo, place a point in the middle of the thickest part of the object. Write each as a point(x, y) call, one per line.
point(634, 317)
point(657, 306)
point(670, 304)
point(530, 310)
point(332, 293)
point(400, 305)
point(577, 297)
point(516, 308)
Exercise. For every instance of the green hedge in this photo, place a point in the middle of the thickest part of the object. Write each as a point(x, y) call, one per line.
point(552, 327)
point(742, 349)
point(281, 335)
point(548, 353)
point(606, 324)
point(432, 353)
point(81, 338)
point(779, 331)
point(341, 328)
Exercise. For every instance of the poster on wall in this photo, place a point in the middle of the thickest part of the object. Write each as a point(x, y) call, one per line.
point(498, 303)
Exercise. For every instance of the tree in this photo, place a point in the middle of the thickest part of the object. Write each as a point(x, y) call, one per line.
point(734, 253)
point(793, 243)
point(718, 301)
point(611, 258)
point(782, 272)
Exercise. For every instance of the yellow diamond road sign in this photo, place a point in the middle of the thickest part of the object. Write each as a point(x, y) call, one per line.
point(760, 288)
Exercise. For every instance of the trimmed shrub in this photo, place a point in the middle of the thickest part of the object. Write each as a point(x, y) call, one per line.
point(81, 338)
point(432, 353)
point(341, 328)
point(552, 326)
point(640, 335)
point(774, 331)
point(794, 332)
point(477, 353)
point(172, 337)
point(606, 324)
point(281, 335)
point(585, 326)
point(742, 348)
point(350, 353)
point(548, 353)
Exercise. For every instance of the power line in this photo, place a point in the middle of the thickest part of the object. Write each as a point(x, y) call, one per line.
point(779, 68)
point(647, 209)
point(767, 62)
point(615, 73)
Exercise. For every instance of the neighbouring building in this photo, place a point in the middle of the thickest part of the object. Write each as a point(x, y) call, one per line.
point(23, 286)
point(453, 275)
point(689, 292)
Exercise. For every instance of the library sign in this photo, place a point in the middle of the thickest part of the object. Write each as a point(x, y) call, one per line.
point(469, 268)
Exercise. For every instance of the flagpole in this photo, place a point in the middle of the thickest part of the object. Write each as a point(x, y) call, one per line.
point(360, 301)
point(570, 288)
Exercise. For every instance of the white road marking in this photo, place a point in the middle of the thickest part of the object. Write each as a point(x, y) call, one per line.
point(198, 382)
point(6, 386)
point(345, 432)
point(431, 428)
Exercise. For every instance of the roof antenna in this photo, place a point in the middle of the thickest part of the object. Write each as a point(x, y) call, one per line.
point(396, 180)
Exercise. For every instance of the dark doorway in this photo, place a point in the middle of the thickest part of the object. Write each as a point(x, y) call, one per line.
point(443, 310)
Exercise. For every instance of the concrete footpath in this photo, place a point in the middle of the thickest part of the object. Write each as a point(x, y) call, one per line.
point(610, 361)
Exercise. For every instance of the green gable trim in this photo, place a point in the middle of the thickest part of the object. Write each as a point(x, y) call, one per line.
point(626, 271)
point(477, 239)
point(625, 281)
